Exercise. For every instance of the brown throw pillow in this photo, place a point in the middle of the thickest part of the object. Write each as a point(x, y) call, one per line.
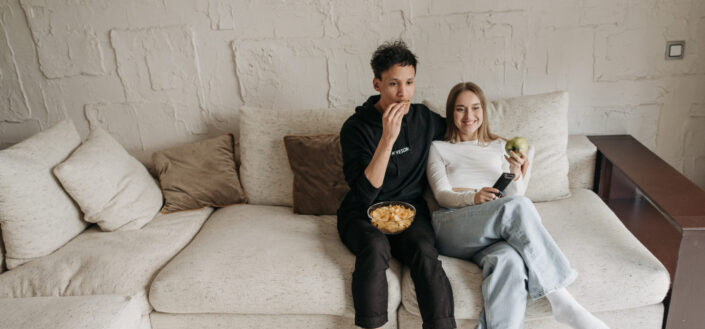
point(198, 175)
point(317, 163)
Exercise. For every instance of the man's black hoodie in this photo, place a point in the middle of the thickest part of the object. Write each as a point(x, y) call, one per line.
point(405, 179)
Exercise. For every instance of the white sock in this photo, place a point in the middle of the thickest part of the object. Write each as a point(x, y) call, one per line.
point(567, 310)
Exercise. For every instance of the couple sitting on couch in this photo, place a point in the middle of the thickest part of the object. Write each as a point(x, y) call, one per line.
point(389, 146)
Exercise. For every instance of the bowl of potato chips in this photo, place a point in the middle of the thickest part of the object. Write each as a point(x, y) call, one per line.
point(391, 217)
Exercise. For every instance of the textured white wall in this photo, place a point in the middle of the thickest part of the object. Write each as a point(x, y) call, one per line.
point(160, 73)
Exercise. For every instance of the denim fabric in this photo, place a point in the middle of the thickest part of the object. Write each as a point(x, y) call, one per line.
point(484, 234)
point(503, 286)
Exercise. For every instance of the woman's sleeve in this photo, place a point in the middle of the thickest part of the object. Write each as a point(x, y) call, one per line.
point(440, 185)
point(356, 157)
point(517, 187)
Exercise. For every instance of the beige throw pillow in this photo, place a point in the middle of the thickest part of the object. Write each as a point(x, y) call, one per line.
point(111, 187)
point(198, 175)
point(317, 164)
point(36, 214)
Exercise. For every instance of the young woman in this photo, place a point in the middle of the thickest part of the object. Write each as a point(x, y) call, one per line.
point(504, 236)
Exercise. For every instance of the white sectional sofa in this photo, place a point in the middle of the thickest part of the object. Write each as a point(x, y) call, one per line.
point(259, 265)
point(107, 263)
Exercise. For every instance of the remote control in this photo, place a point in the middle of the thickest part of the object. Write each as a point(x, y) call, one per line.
point(503, 181)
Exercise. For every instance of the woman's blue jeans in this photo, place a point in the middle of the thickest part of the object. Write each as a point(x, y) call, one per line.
point(506, 238)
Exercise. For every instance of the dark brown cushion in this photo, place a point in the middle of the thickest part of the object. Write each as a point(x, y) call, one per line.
point(317, 163)
point(198, 175)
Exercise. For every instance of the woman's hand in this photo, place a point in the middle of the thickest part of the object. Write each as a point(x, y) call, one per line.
point(518, 163)
point(486, 194)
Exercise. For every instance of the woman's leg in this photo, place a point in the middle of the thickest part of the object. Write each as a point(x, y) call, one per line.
point(516, 221)
point(503, 287)
point(567, 310)
point(460, 233)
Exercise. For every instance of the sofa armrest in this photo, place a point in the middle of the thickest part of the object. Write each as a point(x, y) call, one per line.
point(581, 159)
point(665, 211)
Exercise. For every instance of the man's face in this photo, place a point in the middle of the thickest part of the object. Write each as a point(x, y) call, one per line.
point(396, 86)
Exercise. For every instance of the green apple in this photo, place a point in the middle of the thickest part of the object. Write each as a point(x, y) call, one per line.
point(517, 144)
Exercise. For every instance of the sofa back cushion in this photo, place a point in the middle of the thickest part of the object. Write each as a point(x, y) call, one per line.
point(2, 254)
point(543, 121)
point(264, 171)
point(36, 214)
point(582, 155)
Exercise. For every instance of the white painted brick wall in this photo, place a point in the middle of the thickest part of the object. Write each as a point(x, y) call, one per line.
point(161, 73)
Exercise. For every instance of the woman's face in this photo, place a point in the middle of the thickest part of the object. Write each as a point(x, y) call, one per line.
point(467, 115)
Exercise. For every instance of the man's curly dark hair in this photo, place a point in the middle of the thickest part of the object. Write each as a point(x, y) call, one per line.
point(390, 53)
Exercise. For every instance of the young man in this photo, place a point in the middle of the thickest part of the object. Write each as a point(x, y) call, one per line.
point(385, 145)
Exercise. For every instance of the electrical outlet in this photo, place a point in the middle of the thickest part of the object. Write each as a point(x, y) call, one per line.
point(675, 49)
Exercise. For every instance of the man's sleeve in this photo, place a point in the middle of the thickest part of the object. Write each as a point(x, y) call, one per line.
point(439, 126)
point(356, 157)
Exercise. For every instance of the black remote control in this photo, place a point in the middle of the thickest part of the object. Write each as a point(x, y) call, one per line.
point(503, 181)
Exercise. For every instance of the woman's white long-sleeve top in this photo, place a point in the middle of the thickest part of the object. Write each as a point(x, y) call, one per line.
point(467, 165)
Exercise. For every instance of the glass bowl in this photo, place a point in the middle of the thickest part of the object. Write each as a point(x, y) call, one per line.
point(390, 224)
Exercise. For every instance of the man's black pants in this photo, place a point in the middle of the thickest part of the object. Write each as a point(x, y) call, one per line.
point(416, 249)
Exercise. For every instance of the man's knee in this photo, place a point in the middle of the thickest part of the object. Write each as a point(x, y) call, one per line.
point(423, 250)
point(375, 247)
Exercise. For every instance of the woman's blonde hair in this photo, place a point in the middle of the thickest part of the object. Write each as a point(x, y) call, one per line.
point(483, 134)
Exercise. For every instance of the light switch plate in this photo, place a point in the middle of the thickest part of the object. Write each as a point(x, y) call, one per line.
point(675, 49)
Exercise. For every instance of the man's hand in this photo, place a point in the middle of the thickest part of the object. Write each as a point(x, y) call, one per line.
point(485, 194)
point(391, 125)
point(391, 121)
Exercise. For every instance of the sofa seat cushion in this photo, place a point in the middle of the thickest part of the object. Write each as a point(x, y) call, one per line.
point(87, 312)
point(645, 317)
point(616, 271)
point(102, 263)
point(259, 321)
point(251, 259)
